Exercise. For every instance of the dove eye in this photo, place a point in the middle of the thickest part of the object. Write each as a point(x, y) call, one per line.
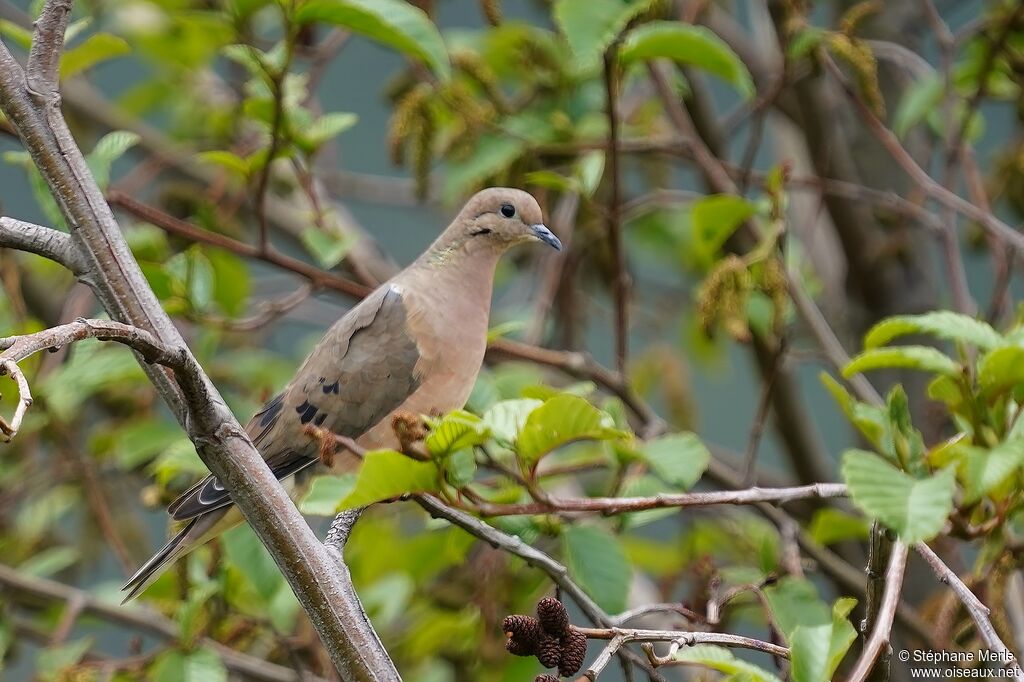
point(508, 210)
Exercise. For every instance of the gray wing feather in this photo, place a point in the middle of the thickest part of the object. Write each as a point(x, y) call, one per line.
point(362, 370)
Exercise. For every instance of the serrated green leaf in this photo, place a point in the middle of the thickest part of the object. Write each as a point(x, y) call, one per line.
point(325, 493)
point(679, 458)
point(328, 248)
point(460, 468)
point(597, 563)
point(829, 526)
point(238, 166)
point(507, 417)
point(326, 128)
point(1001, 369)
point(559, 421)
point(687, 44)
point(250, 557)
point(456, 431)
point(394, 23)
point(724, 661)
point(385, 474)
point(985, 470)
point(917, 101)
point(714, 218)
point(109, 149)
point(942, 324)
point(49, 561)
point(97, 48)
point(915, 508)
point(818, 636)
point(869, 419)
point(590, 26)
point(924, 358)
point(204, 665)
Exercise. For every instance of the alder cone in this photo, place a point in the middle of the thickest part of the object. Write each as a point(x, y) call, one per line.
point(549, 651)
point(545, 678)
point(574, 650)
point(523, 634)
point(552, 616)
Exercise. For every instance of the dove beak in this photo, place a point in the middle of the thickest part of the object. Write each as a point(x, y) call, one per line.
point(542, 233)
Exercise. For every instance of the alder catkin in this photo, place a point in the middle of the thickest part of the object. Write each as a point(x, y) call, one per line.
point(549, 651)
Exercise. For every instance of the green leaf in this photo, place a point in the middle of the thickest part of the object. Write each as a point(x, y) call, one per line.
point(714, 219)
point(590, 26)
point(918, 100)
point(915, 508)
point(229, 161)
point(941, 324)
point(724, 661)
point(460, 468)
point(328, 248)
point(816, 651)
point(250, 557)
point(506, 418)
point(49, 561)
point(687, 44)
point(679, 458)
point(97, 48)
point(202, 665)
point(986, 470)
point(589, 171)
point(456, 431)
point(324, 494)
point(385, 474)
point(869, 419)
point(109, 149)
point(52, 661)
point(326, 128)
point(1001, 369)
point(598, 564)
point(923, 358)
point(818, 636)
point(559, 421)
point(829, 526)
point(394, 23)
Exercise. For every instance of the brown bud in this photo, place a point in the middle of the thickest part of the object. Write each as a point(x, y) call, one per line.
point(549, 651)
point(574, 650)
point(552, 616)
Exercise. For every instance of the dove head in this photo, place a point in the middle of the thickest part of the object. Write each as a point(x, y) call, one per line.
point(493, 220)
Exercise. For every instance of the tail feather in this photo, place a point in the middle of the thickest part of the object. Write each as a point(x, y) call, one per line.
point(182, 543)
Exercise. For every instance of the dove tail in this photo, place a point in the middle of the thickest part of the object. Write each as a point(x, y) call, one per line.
point(177, 546)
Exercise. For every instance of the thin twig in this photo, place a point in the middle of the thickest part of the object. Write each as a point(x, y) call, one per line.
point(977, 610)
point(621, 505)
point(9, 430)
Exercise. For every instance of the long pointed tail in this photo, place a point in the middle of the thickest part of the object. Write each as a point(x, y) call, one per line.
point(198, 531)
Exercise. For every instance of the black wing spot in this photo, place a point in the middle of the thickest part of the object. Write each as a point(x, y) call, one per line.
point(334, 388)
point(271, 410)
point(320, 419)
point(306, 412)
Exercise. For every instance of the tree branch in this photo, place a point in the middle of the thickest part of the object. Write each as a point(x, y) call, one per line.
point(42, 241)
point(312, 572)
point(978, 611)
point(883, 624)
